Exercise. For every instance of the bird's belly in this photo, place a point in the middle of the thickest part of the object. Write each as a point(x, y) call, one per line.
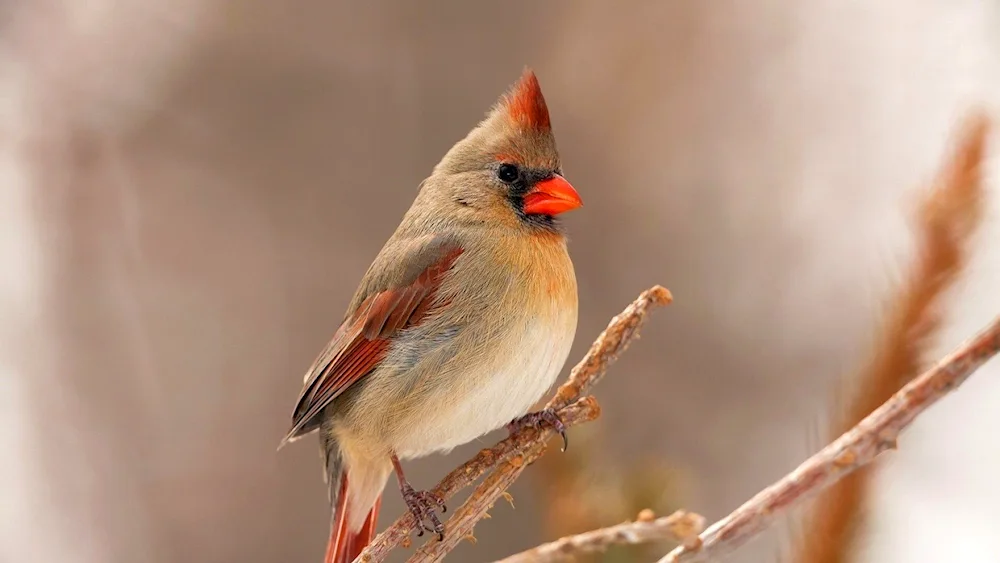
point(481, 402)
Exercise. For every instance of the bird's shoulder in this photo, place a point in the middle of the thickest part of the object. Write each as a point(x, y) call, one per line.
point(404, 259)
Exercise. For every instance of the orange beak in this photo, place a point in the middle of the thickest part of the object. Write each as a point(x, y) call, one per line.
point(551, 197)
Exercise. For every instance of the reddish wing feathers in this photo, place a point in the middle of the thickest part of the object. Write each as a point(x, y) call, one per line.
point(526, 105)
point(363, 340)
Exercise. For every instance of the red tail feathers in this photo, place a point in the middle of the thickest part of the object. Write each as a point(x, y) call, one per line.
point(344, 546)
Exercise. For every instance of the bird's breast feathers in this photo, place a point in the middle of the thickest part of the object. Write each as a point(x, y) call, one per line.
point(520, 307)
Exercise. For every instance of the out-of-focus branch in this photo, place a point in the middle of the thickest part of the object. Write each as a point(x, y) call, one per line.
point(854, 449)
point(513, 454)
point(948, 218)
point(681, 527)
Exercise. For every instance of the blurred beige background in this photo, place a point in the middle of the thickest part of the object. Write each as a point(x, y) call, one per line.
point(190, 193)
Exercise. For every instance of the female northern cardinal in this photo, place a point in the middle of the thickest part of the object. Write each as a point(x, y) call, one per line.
point(462, 322)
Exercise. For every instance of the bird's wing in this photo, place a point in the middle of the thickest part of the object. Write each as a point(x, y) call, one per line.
point(363, 339)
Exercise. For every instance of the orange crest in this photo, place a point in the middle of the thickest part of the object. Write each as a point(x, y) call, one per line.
point(526, 105)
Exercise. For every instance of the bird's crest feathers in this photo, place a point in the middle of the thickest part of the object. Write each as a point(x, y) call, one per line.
point(525, 106)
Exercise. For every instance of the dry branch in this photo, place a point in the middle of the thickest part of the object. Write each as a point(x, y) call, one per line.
point(681, 527)
point(856, 448)
point(511, 455)
point(948, 218)
point(482, 499)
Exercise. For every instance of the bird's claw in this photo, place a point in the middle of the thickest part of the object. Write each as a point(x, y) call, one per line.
point(422, 505)
point(537, 420)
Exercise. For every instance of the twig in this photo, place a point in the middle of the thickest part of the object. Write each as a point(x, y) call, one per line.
point(681, 527)
point(948, 218)
point(609, 344)
point(856, 448)
point(528, 443)
point(481, 500)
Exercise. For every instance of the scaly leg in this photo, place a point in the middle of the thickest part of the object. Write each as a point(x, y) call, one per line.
point(420, 503)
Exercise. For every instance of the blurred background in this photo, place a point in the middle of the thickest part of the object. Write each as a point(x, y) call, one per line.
point(189, 194)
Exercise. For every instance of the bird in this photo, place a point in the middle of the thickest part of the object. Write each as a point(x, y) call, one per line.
point(460, 325)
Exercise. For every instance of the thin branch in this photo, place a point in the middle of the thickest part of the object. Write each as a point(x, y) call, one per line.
point(681, 527)
point(609, 344)
point(481, 500)
point(856, 448)
point(511, 455)
point(460, 526)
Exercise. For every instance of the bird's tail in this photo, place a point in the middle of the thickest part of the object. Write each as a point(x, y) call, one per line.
point(344, 546)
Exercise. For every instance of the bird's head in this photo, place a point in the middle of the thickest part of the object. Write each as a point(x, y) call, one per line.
point(507, 169)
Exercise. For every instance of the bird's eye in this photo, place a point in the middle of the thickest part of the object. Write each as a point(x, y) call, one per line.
point(508, 173)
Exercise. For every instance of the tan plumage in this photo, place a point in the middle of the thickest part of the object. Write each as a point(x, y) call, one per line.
point(462, 322)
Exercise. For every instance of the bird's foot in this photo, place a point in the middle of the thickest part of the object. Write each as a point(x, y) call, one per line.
point(422, 505)
point(539, 419)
